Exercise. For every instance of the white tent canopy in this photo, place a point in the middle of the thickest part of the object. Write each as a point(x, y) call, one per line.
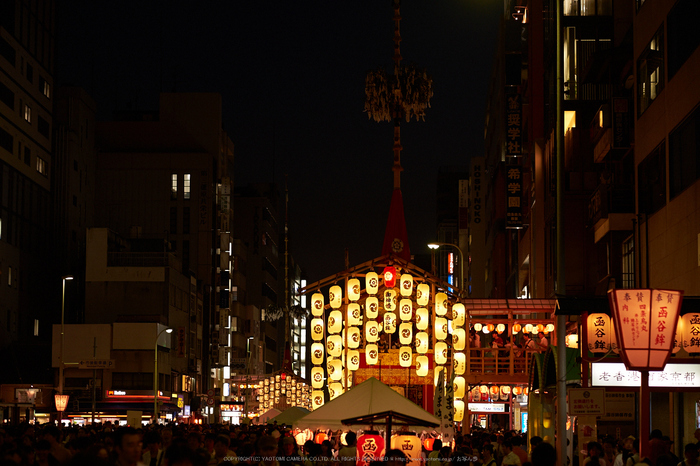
point(268, 415)
point(369, 397)
point(288, 416)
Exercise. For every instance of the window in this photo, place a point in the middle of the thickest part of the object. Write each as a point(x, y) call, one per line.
point(587, 7)
point(628, 263)
point(9, 276)
point(186, 185)
point(27, 155)
point(27, 113)
point(185, 220)
point(651, 174)
point(683, 37)
point(8, 51)
point(36, 327)
point(46, 88)
point(7, 96)
point(30, 73)
point(234, 293)
point(173, 220)
point(173, 186)
point(650, 72)
point(684, 154)
point(41, 166)
point(234, 323)
point(7, 142)
point(186, 255)
point(43, 127)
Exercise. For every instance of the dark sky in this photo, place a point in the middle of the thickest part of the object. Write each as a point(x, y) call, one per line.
point(292, 75)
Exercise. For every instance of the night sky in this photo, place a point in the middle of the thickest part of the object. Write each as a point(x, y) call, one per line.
point(291, 75)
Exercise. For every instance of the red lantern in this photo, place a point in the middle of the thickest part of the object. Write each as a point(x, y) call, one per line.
point(370, 447)
point(389, 275)
point(320, 437)
point(428, 444)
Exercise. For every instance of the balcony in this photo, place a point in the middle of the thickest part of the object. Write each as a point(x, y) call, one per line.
point(611, 208)
point(610, 130)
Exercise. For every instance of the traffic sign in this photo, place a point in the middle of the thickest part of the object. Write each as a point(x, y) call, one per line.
point(96, 364)
point(210, 392)
point(210, 401)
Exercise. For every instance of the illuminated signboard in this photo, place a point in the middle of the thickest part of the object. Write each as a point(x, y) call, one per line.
point(673, 375)
point(487, 407)
point(230, 409)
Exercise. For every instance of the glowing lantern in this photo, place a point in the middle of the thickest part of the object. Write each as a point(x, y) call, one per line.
point(428, 443)
point(406, 333)
point(517, 391)
point(500, 328)
point(440, 328)
point(540, 328)
point(459, 338)
point(440, 304)
point(422, 342)
point(409, 443)
point(534, 330)
point(335, 389)
point(317, 329)
point(317, 353)
point(485, 329)
point(353, 337)
point(459, 410)
point(406, 309)
point(354, 289)
point(477, 327)
point(406, 285)
point(422, 365)
point(422, 318)
point(516, 328)
point(440, 352)
point(334, 346)
point(460, 363)
point(494, 391)
point(353, 360)
point(317, 377)
point(61, 402)
point(335, 322)
point(528, 328)
point(389, 275)
point(599, 328)
point(317, 402)
point(389, 322)
point(459, 386)
point(491, 327)
point(354, 314)
point(371, 283)
point(372, 331)
point(372, 307)
point(317, 304)
point(458, 315)
point(335, 369)
point(370, 447)
point(390, 300)
point(423, 294)
point(690, 332)
point(405, 356)
point(335, 296)
point(549, 328)
point(505, 391)
point(371, 354)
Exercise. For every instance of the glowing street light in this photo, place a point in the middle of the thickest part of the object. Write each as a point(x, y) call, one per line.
point(155, 375)
point(461, 261)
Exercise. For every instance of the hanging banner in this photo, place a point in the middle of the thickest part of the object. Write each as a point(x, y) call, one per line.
point(514, 195)
point(514, 124)
point(447, 427)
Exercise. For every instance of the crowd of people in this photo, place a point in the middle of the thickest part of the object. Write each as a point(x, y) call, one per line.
point(272, 445)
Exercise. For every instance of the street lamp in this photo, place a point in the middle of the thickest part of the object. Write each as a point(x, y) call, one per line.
point(247, 378)
point(60, 399)
point(461, 261)
point(155, 375)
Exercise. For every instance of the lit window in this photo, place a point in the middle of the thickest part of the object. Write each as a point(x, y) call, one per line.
point(41, 165)
point(650, 72)
point(27, 113)
point(36, 327)
point(47, 89)
point(234, 323)
point(9, 276)
point(186, 185)
point(173, 186)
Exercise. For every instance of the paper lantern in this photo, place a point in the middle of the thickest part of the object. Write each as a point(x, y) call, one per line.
point(335, 369)
point(354, 289)
point(317, 353)
point(485, 329)
point(317, 329)
point(389, 322)
point(422, 365)
point(390, 300)
point(460, 363)
point(549, 328)
point(353, 337)
point(517, 391)
point(406, 285)
point(372, 307)
point(440, 328)
point(371, 354)
point(317, 377)
point(440, 352)
point(491, 327)
point(494, 390)
point(459, 339)
point(528, 328)
point(334, 346)
point(371, 331)
point(371, 283)
point(505, 392)
point(516, 328)
point(422, 318)
point(422, 342)
point(540, 328)
point(370, 447)
point(599, 329)
point(354, 314)
point(409, 443)
point(406, 333)
point(440, 304)
point(405, 356)
point(534, 330)
point(317, 304)
point(335, 296)
point(459, 386)
point(317, 401)
point(690, 332)
point(335, 389)
point(459, 315)
point(406, 309)
point(478, 327)
point(389, 276)
point(423, 294)
point(353, 360)
point(428, 443)
point(645, 347)
point(500, 328)
point(61, 402)
point(459, 410)
point(335, 322)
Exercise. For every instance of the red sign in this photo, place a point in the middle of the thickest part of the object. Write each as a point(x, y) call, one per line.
point(389, 275)
point(370, 447)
